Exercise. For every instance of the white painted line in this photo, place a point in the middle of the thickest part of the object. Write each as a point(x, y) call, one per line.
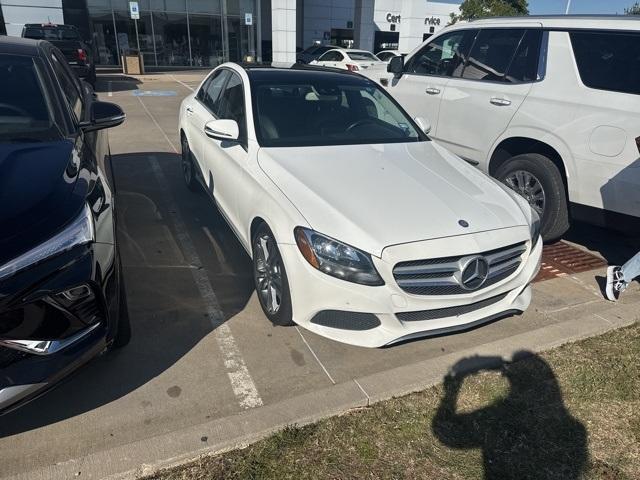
point(363, 391)
point(182, 83)
point(242, 384)
point(571, 307)
point(315, 356)
point(586, 286)
point(602, 318)
point(110, 94)
point(222, 260)
point(157, 125)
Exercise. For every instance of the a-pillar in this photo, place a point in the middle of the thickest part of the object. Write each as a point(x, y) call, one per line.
point(363, 26)
point(283, 28)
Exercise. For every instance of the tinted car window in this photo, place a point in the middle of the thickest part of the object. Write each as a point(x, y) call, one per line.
point(524, 66)
point(68, 83)
point(362, 56)
point(209, 94)
point(608, 60)
point(232, 104)
point(443, 56)
point(51, 33)
point(25, 109)
point(331, 57)
point(334, 111)
point(492, 53)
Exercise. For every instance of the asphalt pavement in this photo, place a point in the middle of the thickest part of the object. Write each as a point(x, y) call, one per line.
point(205, 369)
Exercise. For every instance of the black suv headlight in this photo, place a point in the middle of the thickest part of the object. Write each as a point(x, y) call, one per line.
point(78, 232)
point(336, 258)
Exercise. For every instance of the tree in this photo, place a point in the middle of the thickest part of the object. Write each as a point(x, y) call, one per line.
point(470, 9)
point(633, 9)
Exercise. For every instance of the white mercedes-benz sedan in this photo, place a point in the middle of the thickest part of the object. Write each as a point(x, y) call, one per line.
point(360, 228)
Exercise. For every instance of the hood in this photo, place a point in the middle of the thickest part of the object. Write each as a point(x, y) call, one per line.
point(36, 185)
point(375, 196)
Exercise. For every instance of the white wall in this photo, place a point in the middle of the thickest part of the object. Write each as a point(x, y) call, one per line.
point(413, 24)
point(18, 12)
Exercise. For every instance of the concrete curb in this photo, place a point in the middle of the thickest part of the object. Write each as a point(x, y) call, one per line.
point(150, 455)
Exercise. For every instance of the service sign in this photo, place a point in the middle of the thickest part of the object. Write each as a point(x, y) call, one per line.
point(248, 18)
point(134, 10)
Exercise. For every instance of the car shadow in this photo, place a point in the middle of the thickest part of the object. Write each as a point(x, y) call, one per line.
point(116, 83)
point(529, 433)
point(168, 318)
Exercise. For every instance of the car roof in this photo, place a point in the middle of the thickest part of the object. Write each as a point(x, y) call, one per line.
point(20, 46)
point(622, 22)
point(280, 72)
point(50, 25)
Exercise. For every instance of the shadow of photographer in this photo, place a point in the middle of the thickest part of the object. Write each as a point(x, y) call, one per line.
point(528, 434)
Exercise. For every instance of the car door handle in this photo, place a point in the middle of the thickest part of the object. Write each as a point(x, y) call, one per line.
point(189, 111)
point(432, 91)
point(500, 102)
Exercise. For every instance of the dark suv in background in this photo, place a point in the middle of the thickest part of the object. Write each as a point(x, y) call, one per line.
point(77, 51)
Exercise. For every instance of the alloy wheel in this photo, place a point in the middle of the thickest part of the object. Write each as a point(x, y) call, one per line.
point(529, 187)
point(268, 272)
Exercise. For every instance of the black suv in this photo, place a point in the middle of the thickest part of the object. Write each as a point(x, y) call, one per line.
point(67, 38)
point(62, 297)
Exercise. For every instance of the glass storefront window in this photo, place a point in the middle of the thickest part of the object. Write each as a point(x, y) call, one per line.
point(204, 6)
point(172, 43)
point(168, 5)
point(206, 40)
point(104, 37)
point(127, 35)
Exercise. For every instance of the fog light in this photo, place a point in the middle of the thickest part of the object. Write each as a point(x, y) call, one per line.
point(77, 293)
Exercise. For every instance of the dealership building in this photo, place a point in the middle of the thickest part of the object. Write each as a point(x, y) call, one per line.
point(205, 33)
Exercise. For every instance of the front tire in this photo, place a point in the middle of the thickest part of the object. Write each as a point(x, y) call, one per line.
point(188, 166)
point(537, 179)
point(270, 277)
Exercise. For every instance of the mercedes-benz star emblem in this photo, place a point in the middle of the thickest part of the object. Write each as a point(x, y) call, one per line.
point(474, 273)
point(463, 223)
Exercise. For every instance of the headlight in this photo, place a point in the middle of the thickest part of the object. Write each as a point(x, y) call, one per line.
point(534, 228)
point(336, 258)
point(78, 232)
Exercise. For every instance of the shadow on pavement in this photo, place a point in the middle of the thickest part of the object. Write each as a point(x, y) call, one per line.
point(116, 83)
point(166, 310)
point(528, 434)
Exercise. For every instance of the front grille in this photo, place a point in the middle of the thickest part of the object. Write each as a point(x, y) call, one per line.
point(9, 356)
point(441, 276)
point(449, 311)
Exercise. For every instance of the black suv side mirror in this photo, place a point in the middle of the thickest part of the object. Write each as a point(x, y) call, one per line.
point(396, 65)
point(103, 115)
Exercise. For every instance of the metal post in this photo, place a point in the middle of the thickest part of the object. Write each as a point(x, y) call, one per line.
point(258, 31)
point(135, 21)
point(115, 32)
point(189, 37)
point(568, 7)
point(153, 37)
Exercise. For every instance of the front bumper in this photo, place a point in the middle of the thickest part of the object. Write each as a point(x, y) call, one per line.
point(43, 338)
point(378, 316)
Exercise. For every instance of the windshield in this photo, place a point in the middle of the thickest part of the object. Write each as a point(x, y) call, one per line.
point(25, 112)
point(336, 111)
point(51, 33)
point(363, 56)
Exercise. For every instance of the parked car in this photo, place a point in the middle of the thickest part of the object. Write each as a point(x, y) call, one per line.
point(69, 41)
point(62, 297)
point(387, 55)
point(352, 60)
point(359, 227)
point(550, 106)
point(311, 53)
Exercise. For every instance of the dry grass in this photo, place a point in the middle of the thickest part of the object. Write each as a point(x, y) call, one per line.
point(571, 413)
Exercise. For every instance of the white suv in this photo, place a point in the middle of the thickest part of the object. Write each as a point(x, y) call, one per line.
point(548, 105)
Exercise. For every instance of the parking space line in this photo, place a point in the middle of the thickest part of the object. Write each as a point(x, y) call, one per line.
point(110, 94)
point(315, 356)
point(363, 391)
point(222, 261)
point(242, 384)
point(182, 83)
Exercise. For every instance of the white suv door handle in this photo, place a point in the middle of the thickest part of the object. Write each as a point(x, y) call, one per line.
point(432, 91)
point(500, 102)
point(189, 110)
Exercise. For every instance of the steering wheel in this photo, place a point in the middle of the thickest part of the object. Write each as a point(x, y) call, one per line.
point(13, 108)
point(359, 123)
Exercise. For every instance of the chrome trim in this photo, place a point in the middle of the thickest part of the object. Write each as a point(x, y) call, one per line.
point(10, 395)
point(47, 347)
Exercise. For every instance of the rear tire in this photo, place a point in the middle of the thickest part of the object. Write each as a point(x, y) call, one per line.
point(270, 278)
point(539, 181)
point(188, 166)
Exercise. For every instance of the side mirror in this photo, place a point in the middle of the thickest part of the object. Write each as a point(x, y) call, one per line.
point(103, 115)
point(396, 66)
point(222, 130)
point(424, 124)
